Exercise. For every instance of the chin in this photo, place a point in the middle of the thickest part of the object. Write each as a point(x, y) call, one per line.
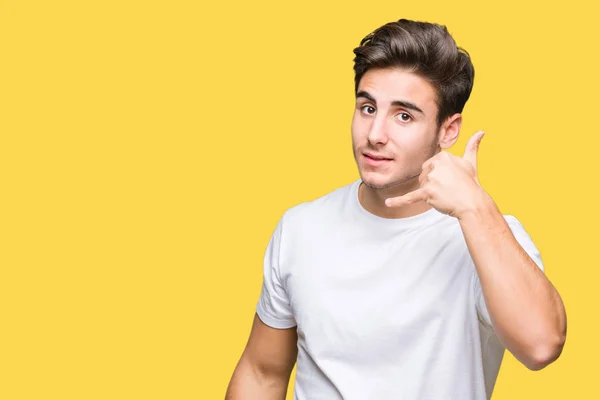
point(380, 181)
point(377, 180)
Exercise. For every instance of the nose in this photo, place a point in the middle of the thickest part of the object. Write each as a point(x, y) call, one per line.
point(377, 133)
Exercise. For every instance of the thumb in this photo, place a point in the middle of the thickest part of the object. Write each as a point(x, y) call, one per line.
point(472, 148)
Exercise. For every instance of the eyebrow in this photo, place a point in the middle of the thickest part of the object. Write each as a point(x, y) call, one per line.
point(399, 103)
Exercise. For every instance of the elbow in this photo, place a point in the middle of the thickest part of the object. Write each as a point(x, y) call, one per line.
point(548, 345)
point(544, 354)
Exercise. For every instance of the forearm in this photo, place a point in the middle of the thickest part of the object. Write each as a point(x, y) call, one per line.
point(525, 309)
point(249, 383)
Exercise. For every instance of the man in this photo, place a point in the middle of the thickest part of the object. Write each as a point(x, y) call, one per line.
point(407, 283)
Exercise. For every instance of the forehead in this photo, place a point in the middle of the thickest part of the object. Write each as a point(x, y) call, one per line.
point(387, 85)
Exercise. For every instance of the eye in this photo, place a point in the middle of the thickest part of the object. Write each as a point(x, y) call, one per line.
point(370, 110)
point(404, 117)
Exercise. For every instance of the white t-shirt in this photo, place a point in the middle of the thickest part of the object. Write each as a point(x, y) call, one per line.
point(384, 308)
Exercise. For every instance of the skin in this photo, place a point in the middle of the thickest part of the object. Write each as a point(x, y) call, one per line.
point(396, 117)
point(263, 371)
point(408, 136)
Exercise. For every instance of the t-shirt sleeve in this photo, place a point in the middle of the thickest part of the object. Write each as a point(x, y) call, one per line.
point(273, 306)
point(527, 244)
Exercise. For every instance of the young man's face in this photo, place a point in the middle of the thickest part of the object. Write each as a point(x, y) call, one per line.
point(394, 128)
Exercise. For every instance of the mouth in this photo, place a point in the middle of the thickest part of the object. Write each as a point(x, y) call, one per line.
point(376, 160)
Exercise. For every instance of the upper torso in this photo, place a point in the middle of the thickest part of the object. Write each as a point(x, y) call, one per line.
point(385, 309)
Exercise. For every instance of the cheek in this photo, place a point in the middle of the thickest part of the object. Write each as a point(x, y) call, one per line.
point(406, 140)
point(359, 127)
point(354, 128)
point(413, 147)
point(413, 138)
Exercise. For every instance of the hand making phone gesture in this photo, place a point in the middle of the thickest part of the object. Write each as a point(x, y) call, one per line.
point(448, 183)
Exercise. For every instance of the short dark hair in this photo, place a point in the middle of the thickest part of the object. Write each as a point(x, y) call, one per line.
point(426, 49)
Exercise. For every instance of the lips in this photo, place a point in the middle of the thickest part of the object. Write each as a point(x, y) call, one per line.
point(377, 157)
point(376, 160)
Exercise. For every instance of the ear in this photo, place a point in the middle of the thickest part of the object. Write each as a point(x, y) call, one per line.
point(449, 131)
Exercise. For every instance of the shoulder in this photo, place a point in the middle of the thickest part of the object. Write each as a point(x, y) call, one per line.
point(512, 221)
point(517, 228)
point(319, 208)
point(524, 239)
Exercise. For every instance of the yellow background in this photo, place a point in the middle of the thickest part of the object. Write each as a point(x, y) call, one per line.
point(149, 148)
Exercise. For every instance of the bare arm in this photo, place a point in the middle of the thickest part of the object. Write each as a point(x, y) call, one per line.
point(525, 309)
point(264, 369)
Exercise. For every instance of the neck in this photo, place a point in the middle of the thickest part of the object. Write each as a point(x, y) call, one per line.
point(373, 200)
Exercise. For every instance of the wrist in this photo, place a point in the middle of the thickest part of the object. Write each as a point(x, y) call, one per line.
point(482, 204)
